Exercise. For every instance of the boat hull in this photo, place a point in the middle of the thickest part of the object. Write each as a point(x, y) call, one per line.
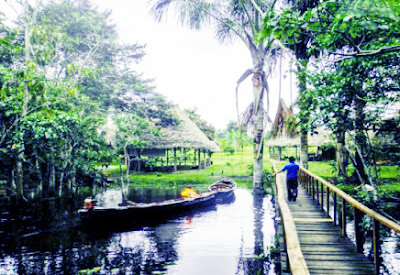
point(224, 189)
point(145, 213)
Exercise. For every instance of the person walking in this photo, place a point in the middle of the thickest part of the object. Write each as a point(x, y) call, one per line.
point(291, 178)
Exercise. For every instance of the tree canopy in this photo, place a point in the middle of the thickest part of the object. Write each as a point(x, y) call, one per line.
point(354, 75)
point(63, 75)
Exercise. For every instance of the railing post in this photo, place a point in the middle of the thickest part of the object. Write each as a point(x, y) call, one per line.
point(377, 246)
point(313, 188)
point(322, 196)
point(317, 185)
point(335, 209)
point(360, 239)
point(344, 218)
point(327, 201)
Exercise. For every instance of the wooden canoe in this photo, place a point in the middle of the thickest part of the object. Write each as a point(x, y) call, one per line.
point(140, 213)
point(224, 189)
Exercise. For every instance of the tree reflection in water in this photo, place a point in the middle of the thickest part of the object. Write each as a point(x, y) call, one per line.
point(232, 238)
point(259, 263)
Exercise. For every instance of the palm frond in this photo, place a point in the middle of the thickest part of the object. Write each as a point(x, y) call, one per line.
point(247, 118)
point(159, 9)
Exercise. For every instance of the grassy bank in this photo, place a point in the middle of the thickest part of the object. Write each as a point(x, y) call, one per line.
point(238, 166)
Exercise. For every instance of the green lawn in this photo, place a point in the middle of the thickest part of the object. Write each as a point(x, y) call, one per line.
point(240, 166)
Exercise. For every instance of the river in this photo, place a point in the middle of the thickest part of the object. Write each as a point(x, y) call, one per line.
point(230, 238)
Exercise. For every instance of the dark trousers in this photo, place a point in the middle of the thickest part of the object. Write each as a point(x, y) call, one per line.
point(291, 185)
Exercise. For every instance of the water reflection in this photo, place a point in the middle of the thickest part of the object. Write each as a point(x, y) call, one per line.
point(233, 238)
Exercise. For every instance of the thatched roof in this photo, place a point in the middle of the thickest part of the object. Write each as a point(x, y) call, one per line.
point(318, 138)
point(284, 124)
point(283, 131)
point(184, 135)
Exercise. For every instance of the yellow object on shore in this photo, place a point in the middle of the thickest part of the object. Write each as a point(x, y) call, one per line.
point(189, 192)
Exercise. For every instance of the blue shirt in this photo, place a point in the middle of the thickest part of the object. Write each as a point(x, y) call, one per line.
point(291, 169)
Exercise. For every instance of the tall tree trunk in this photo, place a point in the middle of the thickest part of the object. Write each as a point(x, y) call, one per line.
point(30, 20)
point(61, 184)
point(360, 138)
point(341, 128)
point(341, 160)
point(303, 118)
point(25, 102)
point(52, 175)
point(258, 80)
point(20, 175)
point(128, 166)
point(303, 61)
point(38, 172)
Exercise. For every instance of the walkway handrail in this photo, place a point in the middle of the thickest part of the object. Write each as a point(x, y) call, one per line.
point(296, 261)
point(311, 181)
point(382, 219)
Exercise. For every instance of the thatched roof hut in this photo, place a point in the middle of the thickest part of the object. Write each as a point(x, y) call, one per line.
point(318, 138)
point(185, 135)
point(181, 146)
point(284, 133)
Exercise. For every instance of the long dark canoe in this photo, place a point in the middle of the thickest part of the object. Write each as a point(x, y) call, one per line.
point(224, 189)
point(138, 213)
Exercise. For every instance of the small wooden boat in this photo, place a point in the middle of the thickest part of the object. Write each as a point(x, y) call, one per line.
point(140, 213)
point(224, 189)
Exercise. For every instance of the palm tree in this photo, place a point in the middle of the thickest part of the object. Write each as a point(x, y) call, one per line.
point(234, 19)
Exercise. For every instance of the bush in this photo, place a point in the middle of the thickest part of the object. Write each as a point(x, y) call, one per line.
point(229, 150)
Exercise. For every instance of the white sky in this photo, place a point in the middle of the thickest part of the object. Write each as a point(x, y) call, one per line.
point(191, 68)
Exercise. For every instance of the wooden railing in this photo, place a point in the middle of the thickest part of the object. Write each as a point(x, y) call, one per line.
point(322, 191)
point(295, 258)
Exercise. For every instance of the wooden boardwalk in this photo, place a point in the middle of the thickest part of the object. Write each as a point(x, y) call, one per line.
point(325, 250)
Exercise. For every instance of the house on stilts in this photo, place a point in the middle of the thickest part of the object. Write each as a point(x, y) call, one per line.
point(177, 147)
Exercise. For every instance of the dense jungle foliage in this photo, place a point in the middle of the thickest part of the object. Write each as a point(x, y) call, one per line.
point(63, 75)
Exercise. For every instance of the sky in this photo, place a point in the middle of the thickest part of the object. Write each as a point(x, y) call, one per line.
point(190, 68)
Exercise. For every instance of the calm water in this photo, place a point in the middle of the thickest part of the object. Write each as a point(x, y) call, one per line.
point(232, 238)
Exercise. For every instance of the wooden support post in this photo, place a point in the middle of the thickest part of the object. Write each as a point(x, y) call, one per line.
point(313, 187)
point(322, 196)
point(377, 246)
point(327, 201)
point(335, 209)
point(180, 157)
point(199, 155)
point(357, 230)
point(317, 185)
point(344, 234)
point(175, 168)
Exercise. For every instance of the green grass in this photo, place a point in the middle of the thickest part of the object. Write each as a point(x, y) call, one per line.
point(238, 166)
point(389, 172)
point(324, 169)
